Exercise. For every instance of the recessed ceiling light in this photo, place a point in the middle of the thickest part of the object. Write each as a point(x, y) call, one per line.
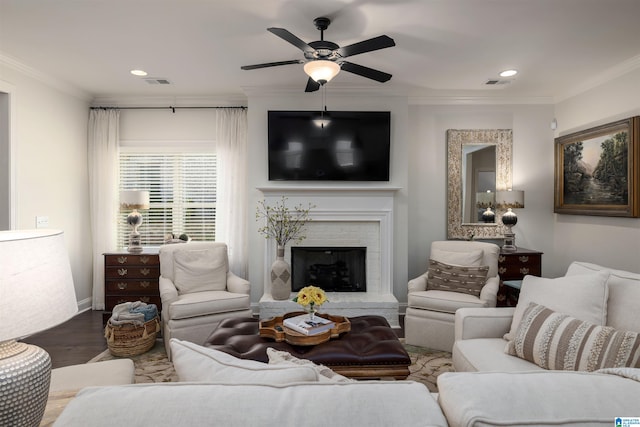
point(139, 72)
point(508, 73)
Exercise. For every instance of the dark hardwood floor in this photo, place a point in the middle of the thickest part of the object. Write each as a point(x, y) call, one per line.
point(81, 338)
point(74, 342)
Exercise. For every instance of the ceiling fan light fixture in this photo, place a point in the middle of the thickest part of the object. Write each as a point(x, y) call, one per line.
point(321, 70)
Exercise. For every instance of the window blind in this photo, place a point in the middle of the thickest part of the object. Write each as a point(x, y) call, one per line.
point(182, 194)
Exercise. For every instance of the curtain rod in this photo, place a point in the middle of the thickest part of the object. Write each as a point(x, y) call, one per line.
point(173, 109)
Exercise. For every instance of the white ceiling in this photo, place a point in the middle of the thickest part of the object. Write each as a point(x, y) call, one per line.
point(443, 47)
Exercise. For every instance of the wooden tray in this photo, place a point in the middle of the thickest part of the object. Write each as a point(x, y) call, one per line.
point(273, 328)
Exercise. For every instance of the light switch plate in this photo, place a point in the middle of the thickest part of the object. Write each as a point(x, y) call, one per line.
point(42, 221)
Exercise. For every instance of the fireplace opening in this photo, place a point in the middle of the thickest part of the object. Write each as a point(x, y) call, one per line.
point(334, 269)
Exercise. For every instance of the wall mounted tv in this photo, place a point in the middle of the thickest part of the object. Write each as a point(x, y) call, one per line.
point(345, 146)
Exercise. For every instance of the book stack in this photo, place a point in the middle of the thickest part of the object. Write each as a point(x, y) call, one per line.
point(305, 325)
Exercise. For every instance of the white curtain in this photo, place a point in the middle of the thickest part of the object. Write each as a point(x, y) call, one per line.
point(231, 205)
point(103, 192)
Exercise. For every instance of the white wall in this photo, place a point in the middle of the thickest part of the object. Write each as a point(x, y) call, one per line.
point(50, 158)
point(613, 242)
point(532, 172)
point(260, 103)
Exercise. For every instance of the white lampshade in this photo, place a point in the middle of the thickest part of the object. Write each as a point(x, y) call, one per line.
point(322, 71)
point(36, 293)
point(134, 199)
point(36, 285)
point(485, 199)
point(513, 199)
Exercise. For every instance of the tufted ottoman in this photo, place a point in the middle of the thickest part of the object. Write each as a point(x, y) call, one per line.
point(370, 350)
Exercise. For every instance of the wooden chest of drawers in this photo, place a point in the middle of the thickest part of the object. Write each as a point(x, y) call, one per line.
point(131, 277)
point(514, 265)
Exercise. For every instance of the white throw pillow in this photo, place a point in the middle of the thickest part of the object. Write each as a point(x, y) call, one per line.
point(200, 270)
point(467, 259)
point(196, 363)
point(581, 296)
point(283, 358)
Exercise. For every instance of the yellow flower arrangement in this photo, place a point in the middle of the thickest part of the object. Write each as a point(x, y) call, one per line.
point(312, 297)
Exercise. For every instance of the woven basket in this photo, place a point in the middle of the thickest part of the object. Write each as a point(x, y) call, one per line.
point(131, 340)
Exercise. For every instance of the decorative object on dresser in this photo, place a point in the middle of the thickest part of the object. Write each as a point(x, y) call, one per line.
point(283, 224)
point(36, 293)
point(130, 277)
point(509, 200)
point(512, 267)
point(134, 199)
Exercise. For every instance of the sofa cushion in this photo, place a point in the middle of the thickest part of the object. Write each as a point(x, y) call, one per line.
point(442, 301)
point(470, 258)
point(369, 403)
point(284, 358)
point(538, 398)
point(487, 354)
point(206, 303)
point(200, 270)
point(560, 342)
point(456, 278)
point(582, 296)
point(201, 364)
point(624, 294)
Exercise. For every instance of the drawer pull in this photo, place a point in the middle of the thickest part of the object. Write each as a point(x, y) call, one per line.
point(524, 270)
point(145, 284)
point(121, 301)
point(145, 299)
point(122, 271)
point(122, 259)
point(144, 259)
point(122, 285)
point(501, 258)
point(502, 270)
point(524, 258)
point(145, 271)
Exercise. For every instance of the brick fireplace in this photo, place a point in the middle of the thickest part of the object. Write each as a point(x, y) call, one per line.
point(343, 217)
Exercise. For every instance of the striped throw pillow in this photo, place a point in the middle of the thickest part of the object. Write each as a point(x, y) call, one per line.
point(558, 341)
point(456, 278)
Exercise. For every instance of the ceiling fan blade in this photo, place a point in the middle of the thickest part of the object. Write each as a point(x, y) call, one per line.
point(367, 72)
point(312, 85)
point(380, 42)
point(294, 40)
point(271, 64)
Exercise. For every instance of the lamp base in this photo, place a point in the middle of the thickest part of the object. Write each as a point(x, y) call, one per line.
point(509, 242)
point(135, 243)
point(25, 373)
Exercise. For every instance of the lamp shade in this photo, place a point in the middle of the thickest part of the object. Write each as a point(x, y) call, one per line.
point(36, 285)
point(485, 199)
point(513, 199)
point(322, 71)
point(134, 199)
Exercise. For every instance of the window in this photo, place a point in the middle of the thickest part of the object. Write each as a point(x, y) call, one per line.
point(182, 194)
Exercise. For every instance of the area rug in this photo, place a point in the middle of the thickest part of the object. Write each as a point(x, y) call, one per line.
point(154, 366)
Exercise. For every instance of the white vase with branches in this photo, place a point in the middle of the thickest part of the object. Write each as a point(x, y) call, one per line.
point(284, 225)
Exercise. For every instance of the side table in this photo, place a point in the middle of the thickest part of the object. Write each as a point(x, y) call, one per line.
point(512, 267)
point(131, 277)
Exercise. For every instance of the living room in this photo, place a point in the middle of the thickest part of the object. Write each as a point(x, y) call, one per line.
point(48, 125)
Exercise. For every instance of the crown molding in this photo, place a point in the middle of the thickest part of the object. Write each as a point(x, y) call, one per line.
point(479, 100)
point(50, 81)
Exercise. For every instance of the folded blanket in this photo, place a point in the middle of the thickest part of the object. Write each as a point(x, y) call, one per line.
point(136, 313)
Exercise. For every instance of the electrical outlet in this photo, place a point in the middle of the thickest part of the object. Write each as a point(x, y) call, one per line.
point(42, 221)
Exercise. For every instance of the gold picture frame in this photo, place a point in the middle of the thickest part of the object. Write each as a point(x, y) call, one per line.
point(597, 170)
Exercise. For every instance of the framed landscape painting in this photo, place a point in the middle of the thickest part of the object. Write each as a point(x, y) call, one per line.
point(597, 171)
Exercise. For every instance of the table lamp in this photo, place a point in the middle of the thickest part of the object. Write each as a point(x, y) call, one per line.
point(36, 293)
point(509, 200)
point(134, 199)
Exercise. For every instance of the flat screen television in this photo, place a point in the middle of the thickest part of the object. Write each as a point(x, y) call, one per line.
point(344, 146)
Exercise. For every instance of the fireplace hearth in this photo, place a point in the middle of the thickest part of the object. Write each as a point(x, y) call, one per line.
point(334, 269)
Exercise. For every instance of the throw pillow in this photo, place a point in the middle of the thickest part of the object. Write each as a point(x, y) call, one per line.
point(196, 363)
point(456, 278)
point(200, 270)
point(582, 296)
point(558, 341)
point(471, 258)
point(283, 358)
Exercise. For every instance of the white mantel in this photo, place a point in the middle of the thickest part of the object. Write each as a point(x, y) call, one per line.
point(343, 216)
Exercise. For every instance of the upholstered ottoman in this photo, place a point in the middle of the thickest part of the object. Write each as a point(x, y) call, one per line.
point(370, 350)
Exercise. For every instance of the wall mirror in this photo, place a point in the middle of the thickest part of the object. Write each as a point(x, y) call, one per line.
point(479, 164)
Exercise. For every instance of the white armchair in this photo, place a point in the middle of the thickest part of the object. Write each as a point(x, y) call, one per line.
point(197, 291)
point(429, 320)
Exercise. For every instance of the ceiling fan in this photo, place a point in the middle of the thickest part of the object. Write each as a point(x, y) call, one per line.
point(323, 59)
